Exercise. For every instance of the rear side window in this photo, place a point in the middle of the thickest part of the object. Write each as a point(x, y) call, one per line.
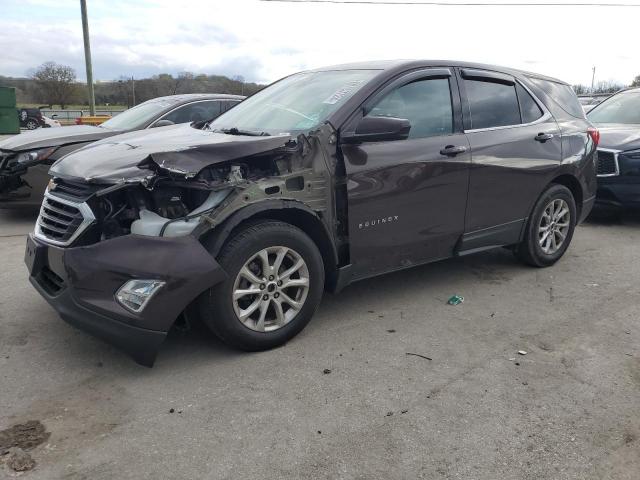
point(194, 112)
point(528, 106)
point(425, 103)
point(492, 104)
point(561, 94)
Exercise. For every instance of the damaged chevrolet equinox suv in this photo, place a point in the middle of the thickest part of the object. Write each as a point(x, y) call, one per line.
point(321, 179)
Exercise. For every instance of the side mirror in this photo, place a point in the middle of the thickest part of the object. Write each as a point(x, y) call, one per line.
point(379, 129)
point(163, 123)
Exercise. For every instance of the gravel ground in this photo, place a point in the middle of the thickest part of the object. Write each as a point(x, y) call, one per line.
point(568, 409)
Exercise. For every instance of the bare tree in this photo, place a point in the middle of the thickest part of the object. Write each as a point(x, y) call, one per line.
point(580, 89)
point(636, 81)
point(607, 86)
point(56, 83)
point(184, 83)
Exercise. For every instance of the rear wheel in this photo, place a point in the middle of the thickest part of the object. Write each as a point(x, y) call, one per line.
point(274, 285)
point(550, 227)
point(32, 124)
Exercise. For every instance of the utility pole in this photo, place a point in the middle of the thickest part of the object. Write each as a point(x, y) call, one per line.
point(87, 57)
point(133, 91)
point(593, 77)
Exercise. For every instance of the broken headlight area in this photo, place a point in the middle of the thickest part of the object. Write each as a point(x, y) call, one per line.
point(167, 204)
point(18, 162)
point(166, 210)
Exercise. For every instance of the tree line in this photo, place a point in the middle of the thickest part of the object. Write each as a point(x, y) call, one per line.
point(55, 84)
point(604, 86)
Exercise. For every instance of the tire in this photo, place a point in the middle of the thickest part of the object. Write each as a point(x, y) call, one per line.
point(536, 249)
point(32, 124)
point(221, 312)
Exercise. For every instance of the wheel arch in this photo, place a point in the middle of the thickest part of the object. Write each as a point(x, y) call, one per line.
point(573, 184)
point(289, 211)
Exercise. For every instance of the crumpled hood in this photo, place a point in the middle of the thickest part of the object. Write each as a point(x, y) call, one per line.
point(55, 137)
point(619, 136)
point(176, 148)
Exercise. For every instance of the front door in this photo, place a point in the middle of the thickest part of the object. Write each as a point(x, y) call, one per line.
point(407, 198)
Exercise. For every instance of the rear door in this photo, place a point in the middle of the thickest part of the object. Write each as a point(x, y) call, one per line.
point(406, 199)
point(515, 145)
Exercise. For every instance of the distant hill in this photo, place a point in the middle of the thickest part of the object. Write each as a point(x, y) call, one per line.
point(119, 92)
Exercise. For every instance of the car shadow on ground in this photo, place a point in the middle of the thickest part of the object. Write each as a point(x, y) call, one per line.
point(614, 217)
point(198, 344)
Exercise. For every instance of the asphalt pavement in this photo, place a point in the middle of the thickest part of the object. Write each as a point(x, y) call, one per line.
point(344, 399)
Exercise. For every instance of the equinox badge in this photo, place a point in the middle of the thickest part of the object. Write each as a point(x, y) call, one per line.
point(377, 221)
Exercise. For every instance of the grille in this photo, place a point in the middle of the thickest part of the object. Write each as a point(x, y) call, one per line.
point(607, 164)
point(49, 281)
point(74, 191)
point(61, 221)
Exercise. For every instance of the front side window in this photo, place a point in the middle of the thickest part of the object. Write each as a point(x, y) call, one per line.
point(425, 103)
point(194, 112)
point(295, 104)
point(492, 104)
point(621, 108)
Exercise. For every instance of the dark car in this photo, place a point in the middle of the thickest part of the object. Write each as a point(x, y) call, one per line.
point(31, 118)
point(618, 119)
point(321, 179)
point(25, 159)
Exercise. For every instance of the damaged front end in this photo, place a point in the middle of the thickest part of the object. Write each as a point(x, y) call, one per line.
point(136, 251)
point(14, 186)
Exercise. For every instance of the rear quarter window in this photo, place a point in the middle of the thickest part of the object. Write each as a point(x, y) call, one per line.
point(561, 94)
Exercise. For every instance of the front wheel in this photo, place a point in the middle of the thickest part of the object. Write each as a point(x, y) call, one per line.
point(274, 285)
point(32, 124)
point(550, 227)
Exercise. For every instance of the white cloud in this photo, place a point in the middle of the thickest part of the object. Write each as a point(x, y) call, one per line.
point(264, 40)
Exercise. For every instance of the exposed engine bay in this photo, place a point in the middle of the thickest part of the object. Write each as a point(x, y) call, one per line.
point(177, 193)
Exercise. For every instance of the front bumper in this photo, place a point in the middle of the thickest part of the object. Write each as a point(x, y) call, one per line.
point(623, 189)
point(81, 282)
point(618, 194)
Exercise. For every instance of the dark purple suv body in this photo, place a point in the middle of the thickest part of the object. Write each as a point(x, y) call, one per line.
point(321, 179)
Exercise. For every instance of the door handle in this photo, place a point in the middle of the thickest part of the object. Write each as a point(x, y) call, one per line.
point(452, 150)
point(543, 137)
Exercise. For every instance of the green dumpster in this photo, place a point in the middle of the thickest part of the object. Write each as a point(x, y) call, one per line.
point(9, 122)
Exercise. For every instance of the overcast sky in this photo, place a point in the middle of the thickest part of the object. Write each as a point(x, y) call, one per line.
point(263, 41)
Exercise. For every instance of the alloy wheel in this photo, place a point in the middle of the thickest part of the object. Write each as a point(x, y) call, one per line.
point(554, 226)
point(270, 289)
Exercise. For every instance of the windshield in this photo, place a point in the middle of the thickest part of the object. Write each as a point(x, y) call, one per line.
point(621, 108)
point(137, 116)
point(295, 104)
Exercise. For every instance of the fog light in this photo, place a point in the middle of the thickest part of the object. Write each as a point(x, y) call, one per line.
point(135, 294)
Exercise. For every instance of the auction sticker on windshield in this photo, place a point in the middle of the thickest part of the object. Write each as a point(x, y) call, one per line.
point(343, 92)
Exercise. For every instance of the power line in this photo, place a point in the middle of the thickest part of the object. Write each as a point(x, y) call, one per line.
point(460, 4)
